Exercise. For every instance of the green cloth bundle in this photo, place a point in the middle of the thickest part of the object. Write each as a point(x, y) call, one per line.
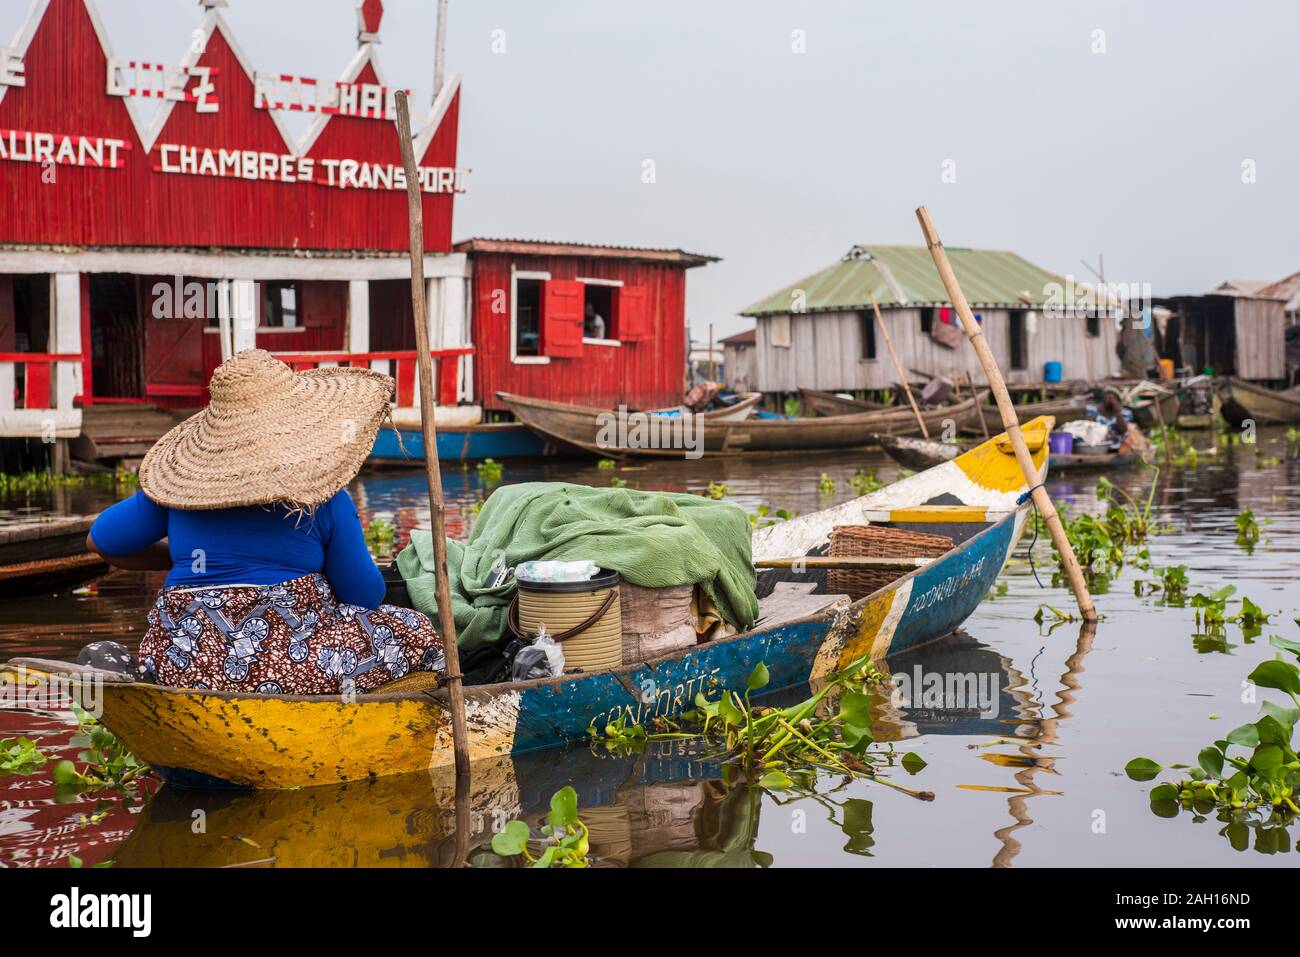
point(652, 539)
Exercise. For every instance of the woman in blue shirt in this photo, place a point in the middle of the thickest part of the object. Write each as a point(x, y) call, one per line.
point(270, 586)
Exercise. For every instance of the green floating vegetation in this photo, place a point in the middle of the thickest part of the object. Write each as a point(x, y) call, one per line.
point(607, 465)
point(717, 490)
point(765, 516)
point(780, 749)
point(1251, 775)
point(381, 536)
point(792, 407)
point(564, 841)
point(616, 482)
point(1247, 529)
point(34, 482)
point(20, 756)
point(490, 471)
point(865, 482)
point(826, 485)
point(1100, 542)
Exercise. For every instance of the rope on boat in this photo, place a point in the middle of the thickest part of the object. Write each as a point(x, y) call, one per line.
point(1028, 496)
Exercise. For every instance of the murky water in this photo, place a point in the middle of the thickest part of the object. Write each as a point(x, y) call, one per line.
point(1033, 780)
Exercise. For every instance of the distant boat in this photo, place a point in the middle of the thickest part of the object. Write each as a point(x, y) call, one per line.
point(404, 445)
point(37, 556)
point(1063, 410)
point(589, 429)
point(917, 454)
point(1244, 401)
point(1100, 461)
point(1152, 404)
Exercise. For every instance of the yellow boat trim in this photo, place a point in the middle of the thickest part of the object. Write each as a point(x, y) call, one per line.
point(992, 464)
point(940, 513)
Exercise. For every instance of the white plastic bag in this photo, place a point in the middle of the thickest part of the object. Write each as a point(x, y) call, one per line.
point(544, 658)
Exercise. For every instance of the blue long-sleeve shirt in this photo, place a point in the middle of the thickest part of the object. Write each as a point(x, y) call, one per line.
point(257, 545)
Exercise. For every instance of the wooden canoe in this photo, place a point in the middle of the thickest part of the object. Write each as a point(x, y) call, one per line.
point(41, 555)
point(830, 404)
point(691, 436)
point(1068, 463)
point(204, 738)
point(1063, 410)
point(1146, 413)
point(1244, 401)
point(917, 454)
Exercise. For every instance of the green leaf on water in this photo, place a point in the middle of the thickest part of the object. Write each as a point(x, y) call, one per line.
point(759, 677)
point(1143, 769)
point(1211, 761)
point(511, 839)
point(912, 762)
point(1286, 644)
point(564, 809)
point(776, 781)
point(65, 772)
point(1164, 792)
point(1247, 736)
point(1281, 675)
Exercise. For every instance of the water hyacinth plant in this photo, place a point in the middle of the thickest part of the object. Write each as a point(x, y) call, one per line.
point(564, 843)
point(1252, 770)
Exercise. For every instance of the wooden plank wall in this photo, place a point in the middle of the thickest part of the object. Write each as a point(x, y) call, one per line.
point(1260, 329)
point(826, 351)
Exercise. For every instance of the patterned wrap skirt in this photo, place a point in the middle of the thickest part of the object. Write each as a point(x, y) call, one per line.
point(291, 638)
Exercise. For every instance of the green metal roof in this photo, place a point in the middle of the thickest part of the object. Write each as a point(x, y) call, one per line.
point(905, 275)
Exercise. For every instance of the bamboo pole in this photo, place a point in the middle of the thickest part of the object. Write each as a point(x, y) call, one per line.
point(898, 367)
point(446, 622)
point(1008, 411)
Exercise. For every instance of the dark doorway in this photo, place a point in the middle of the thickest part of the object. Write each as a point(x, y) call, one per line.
point(116, 337)
point(31, 305)
point(392, 323)
point(1019, 357)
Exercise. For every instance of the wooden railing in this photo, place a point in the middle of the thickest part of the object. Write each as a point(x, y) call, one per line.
point(37, 372)
point(399, 364)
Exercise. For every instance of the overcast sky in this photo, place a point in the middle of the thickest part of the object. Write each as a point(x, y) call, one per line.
point(1073, 129)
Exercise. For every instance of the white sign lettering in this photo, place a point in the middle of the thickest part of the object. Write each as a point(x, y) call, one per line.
point(11, 68)
point(129, 78)
point(24, 146)
point(274, 91)
point(284, 168)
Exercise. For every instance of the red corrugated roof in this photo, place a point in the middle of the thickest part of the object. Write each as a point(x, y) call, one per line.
point(545, 247)
point(747, 338)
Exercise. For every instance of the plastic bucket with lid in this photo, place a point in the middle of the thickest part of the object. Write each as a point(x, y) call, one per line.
point(1061, 443)
point(1051, 371)
point(583, 616)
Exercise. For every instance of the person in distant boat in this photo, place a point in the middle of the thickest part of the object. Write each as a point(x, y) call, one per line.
point(270, 586)
point(593, 325)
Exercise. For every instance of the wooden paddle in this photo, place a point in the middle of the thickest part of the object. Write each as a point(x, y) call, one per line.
point(898, 367)
point(446, 622)
point(1010, 423)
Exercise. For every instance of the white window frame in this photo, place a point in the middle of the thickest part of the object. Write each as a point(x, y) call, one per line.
point(589, 281)
point(789, 332)
point(515, 276)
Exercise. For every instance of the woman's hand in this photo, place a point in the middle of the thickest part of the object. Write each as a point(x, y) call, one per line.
point(155, 558)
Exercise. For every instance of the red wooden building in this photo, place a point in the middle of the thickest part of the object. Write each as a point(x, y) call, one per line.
point(136, 252)
point(594, 325)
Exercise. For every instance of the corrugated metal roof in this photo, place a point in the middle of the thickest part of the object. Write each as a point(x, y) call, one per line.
point(1288, 289)
point(747, 338)
point(546, 247)
point(905, 275)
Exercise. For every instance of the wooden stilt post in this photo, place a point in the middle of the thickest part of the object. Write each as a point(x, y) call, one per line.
point(898, 367)
point(446, 623)
point(1008, 411)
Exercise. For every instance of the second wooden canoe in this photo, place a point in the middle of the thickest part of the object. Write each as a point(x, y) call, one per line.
point(605, 433)
point(1244, 401)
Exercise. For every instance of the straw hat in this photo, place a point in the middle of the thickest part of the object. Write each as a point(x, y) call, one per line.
point(269, 434)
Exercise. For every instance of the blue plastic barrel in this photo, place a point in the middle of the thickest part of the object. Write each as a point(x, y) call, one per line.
point(1051, 372)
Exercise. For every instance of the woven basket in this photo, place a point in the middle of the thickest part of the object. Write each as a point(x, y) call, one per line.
point(876, 541)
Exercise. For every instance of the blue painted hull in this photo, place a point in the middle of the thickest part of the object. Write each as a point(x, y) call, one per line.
point(504, 441)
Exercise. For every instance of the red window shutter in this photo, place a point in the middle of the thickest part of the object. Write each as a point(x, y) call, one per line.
point(562, 318)
point(633, 313)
